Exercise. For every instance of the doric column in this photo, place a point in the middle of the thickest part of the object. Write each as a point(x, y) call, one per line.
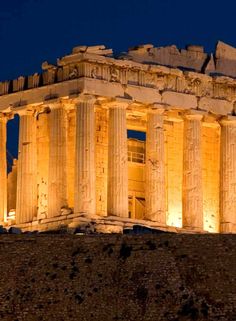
point(43, 160)
point(192, 172)
point(3, 169)
point(26, 204)
point(117, 199)
point(85, 186)
point(228, 175)
point(211, 173)
point(57, 178)
point(155, 207)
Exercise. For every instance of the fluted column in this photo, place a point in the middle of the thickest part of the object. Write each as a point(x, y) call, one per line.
point(57, 178)
point(26, 204)
point(192, 172)
point(85, 187)
point(228, 175)
point(155, 208)
point(117, 200)
point(3, 169)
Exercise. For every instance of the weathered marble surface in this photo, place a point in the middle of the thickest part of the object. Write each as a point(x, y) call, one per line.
point(74, 119)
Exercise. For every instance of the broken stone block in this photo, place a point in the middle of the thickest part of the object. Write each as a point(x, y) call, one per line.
point(66, 210)
point(14, 230)
point(3, 230)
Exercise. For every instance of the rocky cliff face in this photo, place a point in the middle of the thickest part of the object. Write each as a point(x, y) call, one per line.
point(113, 277)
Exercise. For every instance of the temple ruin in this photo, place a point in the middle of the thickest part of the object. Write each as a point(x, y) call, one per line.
point(80, 162)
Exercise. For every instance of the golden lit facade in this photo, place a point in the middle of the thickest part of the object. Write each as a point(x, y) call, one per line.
point(79, 160)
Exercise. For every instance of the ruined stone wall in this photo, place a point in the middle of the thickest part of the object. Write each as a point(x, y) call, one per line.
point(114, 277)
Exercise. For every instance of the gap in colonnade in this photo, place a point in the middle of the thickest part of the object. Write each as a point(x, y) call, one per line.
point(136, 163)
point(136, 134)
point(12, 140)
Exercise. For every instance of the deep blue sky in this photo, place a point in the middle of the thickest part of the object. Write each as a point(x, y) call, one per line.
point(32, 31)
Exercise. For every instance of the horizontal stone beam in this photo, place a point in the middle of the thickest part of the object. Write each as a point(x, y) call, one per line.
point(216, 106)
point(179, 100)
point(143, 95)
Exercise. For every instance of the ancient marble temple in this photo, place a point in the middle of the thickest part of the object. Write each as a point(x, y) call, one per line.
point(148, 137)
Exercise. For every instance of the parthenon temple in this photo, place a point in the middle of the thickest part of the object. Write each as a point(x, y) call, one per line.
point(144, 137)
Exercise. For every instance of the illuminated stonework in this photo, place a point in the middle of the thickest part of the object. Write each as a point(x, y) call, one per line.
point(76, 164)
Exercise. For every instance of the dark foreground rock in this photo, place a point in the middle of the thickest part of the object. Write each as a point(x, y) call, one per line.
point(159, 277)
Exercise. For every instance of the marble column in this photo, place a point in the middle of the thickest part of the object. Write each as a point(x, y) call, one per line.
point(85, 186)
point(117, 198)
point(155, 189)
point(192, 172)
point(228, 175)
point(57, 175)
point(26, 204)
point(3, 168)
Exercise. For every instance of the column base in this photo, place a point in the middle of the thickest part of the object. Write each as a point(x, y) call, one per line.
point(227, 227)
point(153, 220)
point(193, 228)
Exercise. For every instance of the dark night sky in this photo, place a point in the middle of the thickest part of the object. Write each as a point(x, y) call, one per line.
point(32, 31)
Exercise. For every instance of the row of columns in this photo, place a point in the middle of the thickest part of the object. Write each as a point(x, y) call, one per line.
point(192, 189)
point(117, 198)
point(85, 195)
point(85, 187)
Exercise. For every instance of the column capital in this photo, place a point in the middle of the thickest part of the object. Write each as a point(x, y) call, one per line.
point(85, 98)
point(119, 103)
point(193, 115)
point(157, 109)
point(54, 105)
point(228, 120)
point(174, 115)
point(4, 117)
point(26, 112)
point(211, 120)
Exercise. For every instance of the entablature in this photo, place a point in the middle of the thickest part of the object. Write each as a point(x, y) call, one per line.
point(93, 71)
